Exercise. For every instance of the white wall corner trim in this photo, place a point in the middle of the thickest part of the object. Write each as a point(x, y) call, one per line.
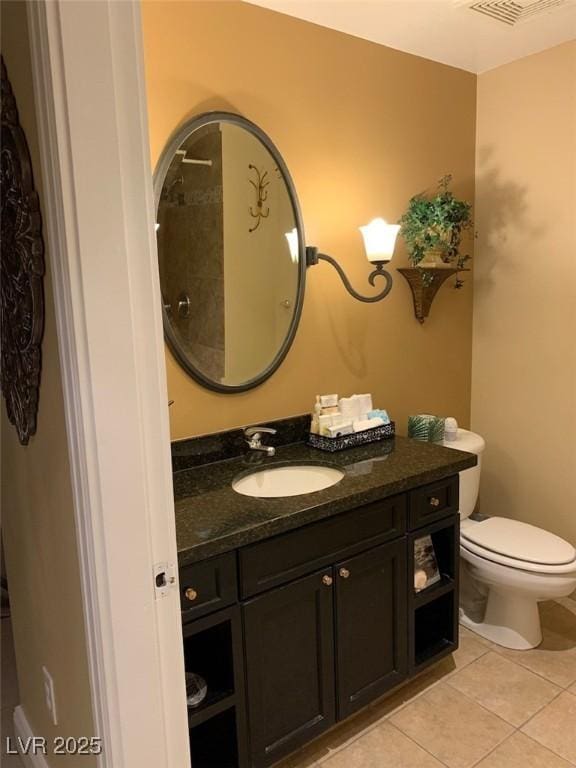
point(24, 735)
point(88, 67)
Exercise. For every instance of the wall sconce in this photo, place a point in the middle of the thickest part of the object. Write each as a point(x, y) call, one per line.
point(379, 240)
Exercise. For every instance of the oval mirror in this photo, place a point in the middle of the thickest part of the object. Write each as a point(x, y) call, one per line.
point(231, 251)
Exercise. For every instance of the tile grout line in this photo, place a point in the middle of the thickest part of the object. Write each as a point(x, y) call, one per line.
point(501, 651)
point(490, 712)
point(529, 669)
point(418, 745)
point(386, 718)
point(560, 692)
point(516, 727)
point(446, 679)
point(537, 741)
point(495, 748)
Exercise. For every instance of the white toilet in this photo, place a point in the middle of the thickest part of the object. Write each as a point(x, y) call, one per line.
point(508, 566)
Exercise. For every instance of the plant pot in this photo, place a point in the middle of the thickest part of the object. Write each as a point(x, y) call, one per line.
point(433, 259)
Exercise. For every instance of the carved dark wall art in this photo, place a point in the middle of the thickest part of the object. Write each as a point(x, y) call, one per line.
point(22, 270)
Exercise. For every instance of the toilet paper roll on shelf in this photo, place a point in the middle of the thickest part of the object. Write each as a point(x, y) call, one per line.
point(420, 579)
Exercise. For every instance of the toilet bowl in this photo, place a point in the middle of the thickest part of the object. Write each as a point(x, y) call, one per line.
point(509, 565)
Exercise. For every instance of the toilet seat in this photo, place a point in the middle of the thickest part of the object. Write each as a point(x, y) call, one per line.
point(519, 545)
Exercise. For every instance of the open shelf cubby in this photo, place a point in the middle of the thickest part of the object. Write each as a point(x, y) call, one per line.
point(434, 610)
point(213, 650)
point(209, 653)
point(445, 535)
point(435, 632)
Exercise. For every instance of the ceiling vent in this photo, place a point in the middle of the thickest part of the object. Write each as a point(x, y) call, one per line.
point(514, 12)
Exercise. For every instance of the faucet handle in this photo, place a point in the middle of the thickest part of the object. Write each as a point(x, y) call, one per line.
point(253, 431)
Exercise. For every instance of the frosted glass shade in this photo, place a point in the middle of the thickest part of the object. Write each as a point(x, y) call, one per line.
point(379, 239)
point(292, 238)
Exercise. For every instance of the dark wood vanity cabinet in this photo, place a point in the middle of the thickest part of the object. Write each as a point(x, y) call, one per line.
point(327, 621)
point(322, 647)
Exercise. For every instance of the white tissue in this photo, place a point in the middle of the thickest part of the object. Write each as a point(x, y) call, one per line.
point(360, 425)
point(365, 404)
point(349, 408)
point(355, 407)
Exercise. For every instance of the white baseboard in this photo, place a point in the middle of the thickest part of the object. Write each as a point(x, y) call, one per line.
point(23, 731)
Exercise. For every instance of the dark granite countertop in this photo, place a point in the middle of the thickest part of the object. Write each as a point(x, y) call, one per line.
point(212, 518)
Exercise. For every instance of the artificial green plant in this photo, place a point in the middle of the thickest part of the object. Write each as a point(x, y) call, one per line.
point(437, 222)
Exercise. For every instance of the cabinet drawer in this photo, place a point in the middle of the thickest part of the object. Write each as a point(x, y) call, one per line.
point(433, 502)
point(208, 586)
point(291, 555)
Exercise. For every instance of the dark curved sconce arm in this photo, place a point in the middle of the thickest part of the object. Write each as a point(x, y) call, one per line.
point(313, 257)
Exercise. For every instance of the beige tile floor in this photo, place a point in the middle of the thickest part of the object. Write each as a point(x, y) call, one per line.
point(486, 706)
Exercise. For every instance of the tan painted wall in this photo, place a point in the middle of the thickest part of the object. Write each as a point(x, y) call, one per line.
point(37, 514)
point(362, 128)
point(524, 360)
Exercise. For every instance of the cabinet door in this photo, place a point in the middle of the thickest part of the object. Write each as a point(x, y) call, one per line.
point(289, 645)
point(371, 625)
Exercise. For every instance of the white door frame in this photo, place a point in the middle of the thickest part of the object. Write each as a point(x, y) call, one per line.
point(90, 98)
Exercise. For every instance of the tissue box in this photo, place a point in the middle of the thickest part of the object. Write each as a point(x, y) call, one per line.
point(331, 444)
point(426, 427)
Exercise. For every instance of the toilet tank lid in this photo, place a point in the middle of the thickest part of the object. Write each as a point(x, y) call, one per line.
point(520, 541)
point(466, 441)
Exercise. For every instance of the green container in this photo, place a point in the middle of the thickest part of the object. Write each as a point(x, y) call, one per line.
point(425, 427)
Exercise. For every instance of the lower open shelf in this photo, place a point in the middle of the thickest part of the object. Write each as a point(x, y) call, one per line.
point(214, 703)
point(435, 629)
point(434, 653)
point(213, 743)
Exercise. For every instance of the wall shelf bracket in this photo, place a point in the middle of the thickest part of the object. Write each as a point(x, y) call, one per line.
point(424, 283)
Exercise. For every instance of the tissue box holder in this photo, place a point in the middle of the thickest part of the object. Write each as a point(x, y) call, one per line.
point(332, 444)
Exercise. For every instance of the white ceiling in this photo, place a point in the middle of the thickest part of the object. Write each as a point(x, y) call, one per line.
point(448, 31)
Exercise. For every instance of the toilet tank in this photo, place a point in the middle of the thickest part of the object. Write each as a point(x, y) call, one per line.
point(469, 478)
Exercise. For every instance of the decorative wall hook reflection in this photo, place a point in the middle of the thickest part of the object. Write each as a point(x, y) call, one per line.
point(261, 196)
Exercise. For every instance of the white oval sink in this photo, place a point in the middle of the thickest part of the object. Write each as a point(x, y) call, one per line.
point(287, 481)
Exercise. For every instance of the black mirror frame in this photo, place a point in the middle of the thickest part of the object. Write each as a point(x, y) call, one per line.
point(174, 142)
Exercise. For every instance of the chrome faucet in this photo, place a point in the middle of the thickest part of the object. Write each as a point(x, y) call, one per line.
point(253, 437)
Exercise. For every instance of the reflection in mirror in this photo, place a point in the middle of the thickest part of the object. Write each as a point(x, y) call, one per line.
point(230, 252)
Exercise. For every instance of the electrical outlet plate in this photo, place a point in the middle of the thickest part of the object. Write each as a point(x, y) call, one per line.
point(49, 695)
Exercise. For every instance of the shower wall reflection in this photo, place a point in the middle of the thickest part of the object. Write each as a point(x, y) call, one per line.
point(191, 250)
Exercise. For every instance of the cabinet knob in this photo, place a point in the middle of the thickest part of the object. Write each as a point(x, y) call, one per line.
point(344, 573)
point(191, 594)
point(327, 580)
point(434, 502)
